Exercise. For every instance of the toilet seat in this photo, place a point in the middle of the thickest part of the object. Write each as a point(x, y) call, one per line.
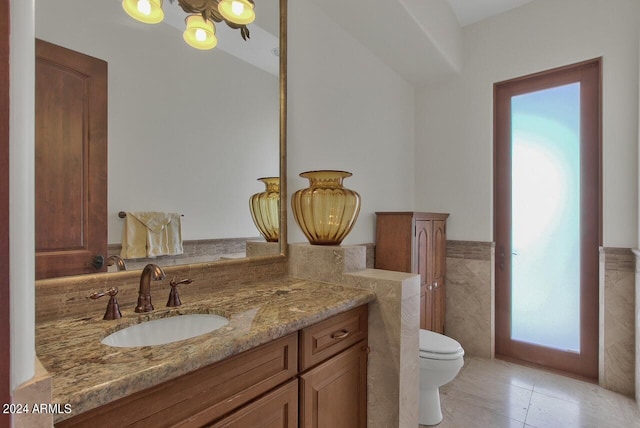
point(435, 346)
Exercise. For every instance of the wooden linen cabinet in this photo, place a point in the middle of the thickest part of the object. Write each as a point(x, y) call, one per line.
point(416, 242)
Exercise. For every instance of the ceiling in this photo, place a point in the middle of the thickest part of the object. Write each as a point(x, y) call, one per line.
point(471, 11)
point(429, 32)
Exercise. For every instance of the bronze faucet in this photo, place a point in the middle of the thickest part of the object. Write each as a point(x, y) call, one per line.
point(149, 272)
point(118, 261)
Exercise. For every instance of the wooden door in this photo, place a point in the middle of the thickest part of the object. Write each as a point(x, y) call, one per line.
point(582, 253)
point(423, 238)
point(439, 266)
point(277, 409)
point(334, 394)
point(71, 162)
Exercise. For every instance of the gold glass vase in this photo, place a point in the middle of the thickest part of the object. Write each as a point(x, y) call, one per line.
point(325, 211)
point(265, 209)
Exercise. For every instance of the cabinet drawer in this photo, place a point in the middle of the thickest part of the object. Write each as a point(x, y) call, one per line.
point(202, 396)
point(327, 338)
point(277, 409)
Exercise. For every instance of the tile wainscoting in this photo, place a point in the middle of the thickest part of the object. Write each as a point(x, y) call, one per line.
point(636, 252)
point(203, 251)
point(470, 308)
point(470, 296)
point(617, 325)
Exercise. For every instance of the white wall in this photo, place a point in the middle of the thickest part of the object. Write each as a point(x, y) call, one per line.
point(347, 111)
point(454, 122)
point(189, 131)
point(21, 178)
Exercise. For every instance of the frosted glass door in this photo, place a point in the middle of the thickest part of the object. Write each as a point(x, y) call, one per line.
point(545, 203)
point(548, 217)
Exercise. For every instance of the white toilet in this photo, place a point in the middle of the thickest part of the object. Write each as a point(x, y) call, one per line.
point(441, 358)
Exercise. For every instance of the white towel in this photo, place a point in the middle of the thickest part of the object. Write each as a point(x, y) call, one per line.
point(174, 235)
point(160, 232)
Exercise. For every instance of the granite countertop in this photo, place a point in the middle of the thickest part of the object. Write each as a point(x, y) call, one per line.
point(87, 374)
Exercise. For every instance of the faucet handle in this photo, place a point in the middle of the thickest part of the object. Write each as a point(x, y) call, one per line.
point(98, 294)
point(174, 297)
point(113, 309)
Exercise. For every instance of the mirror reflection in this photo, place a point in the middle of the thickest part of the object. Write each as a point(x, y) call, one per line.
point(189, 131)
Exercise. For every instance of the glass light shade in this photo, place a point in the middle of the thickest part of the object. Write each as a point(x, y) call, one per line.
point(325, 211)
point(265, 209)
point(137, 9)
point(237, 11)
point(200, 34)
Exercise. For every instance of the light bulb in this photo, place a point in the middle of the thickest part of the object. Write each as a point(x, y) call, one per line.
point(239, 12)
point(201, 35)
point(144, 7)
point(147, 11)
point(237, 8)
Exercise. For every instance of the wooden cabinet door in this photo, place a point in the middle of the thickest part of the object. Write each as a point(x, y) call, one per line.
point(277, 409)
point(439, 267)
point(423, 311)
point(422, 263)
point(395, 242)
point(438, 309)
point(334, 394)
point(70, 161)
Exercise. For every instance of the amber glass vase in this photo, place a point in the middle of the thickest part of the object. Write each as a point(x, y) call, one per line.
point(325, 211)
point(265, 209)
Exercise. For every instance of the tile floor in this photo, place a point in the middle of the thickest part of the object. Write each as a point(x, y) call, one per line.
point(494, 393)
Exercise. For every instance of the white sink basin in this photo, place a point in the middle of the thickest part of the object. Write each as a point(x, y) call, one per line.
point(165, 330)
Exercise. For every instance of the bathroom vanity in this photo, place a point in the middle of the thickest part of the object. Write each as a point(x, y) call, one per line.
point(293, 354)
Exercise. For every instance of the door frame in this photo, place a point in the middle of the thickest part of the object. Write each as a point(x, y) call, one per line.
point(589, 73)
point(5, 319)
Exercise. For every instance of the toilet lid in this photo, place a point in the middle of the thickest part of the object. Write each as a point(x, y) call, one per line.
point(434, 345)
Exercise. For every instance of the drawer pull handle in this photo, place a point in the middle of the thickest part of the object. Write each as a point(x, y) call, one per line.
point(340, 334)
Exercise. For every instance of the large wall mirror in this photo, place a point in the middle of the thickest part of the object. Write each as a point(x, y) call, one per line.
point(189, 131)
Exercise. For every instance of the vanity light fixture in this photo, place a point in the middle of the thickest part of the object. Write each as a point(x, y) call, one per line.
point(200, 30)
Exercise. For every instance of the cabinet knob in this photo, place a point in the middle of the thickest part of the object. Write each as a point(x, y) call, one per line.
point(435, 284)
point(430, 287)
